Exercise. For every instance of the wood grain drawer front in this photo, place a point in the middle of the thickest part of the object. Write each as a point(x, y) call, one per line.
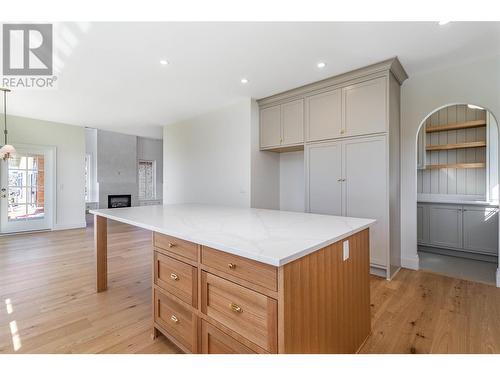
point(177, 320)
point(177, 246)
point(214, 341)
point(176, 277)
point(246, 312)
point(257, 273)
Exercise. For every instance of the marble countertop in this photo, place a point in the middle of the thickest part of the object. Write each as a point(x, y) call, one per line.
point(269, 236)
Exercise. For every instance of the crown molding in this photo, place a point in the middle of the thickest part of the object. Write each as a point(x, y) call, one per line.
point(392, 65)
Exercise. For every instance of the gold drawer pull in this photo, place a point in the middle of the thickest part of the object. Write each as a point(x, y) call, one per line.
point(235, 308)
point(174, 277)
point(231, 266)
point(174, 319)
point(170, 244)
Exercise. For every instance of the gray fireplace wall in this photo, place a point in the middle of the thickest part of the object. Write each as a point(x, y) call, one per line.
point(117, 156)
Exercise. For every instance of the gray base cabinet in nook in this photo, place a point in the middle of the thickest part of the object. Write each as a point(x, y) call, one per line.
point(461, 230)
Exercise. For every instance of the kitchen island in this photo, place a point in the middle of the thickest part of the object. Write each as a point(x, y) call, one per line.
point(241, 280)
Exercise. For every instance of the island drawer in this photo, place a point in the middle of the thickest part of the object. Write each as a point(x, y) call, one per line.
point(177, 320)
point(176, 245)
point(246, 312)
point(214, 341)
point(176, 277)
point(255, 272)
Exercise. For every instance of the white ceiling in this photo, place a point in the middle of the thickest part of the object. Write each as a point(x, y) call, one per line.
point(109, 75)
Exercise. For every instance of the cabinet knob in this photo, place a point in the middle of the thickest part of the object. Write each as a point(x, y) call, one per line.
point(174, 277)
point(235, 307)
point(342, 131)
point(174, 319)
point(231, 266)
point(170, 244)
point(339, 179)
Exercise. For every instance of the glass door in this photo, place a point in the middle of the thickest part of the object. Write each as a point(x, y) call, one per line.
point(26, 190)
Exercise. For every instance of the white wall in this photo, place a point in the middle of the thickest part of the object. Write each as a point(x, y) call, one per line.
point(207, 158)
point(70, 163)
point(292, 184)
point(265, 166)
point(476, 82)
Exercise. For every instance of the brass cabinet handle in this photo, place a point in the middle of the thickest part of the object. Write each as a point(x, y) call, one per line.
point(231, 266)
point(174, 319)
point(342, 131)
point(173, 276)
point(235, 307)
point(170, 244)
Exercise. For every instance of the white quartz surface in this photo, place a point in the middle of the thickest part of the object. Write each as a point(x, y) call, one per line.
point(269, 236)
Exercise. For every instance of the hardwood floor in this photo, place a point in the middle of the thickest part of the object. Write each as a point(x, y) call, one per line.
point(48, 302)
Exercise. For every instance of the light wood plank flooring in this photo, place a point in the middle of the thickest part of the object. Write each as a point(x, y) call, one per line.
point(48, 303)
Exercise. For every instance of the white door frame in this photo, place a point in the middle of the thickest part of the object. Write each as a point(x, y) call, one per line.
point(50, 183)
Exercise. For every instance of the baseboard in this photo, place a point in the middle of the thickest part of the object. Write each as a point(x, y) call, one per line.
point(411, 263)
point(70, 226)
point(378, 271)
point(498, 277)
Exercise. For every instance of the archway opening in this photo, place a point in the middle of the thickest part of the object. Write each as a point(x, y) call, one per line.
point(458, 192)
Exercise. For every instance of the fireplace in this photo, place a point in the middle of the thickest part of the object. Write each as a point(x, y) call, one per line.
point(117, 201)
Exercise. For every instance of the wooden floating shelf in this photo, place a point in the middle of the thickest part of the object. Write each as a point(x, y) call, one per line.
point(463, 125)
point(457, 166)
point(454, 146)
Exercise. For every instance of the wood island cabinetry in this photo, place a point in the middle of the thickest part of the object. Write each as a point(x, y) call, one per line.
point(210, 301)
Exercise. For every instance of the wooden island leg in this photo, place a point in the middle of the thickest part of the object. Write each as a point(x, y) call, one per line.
point(101, 252)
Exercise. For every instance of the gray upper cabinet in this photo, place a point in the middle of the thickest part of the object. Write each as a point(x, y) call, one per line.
point(365, 107)
point(270, 126)
point(324, 116)
point(445, 225)
point(480, 226)
point(292, 117)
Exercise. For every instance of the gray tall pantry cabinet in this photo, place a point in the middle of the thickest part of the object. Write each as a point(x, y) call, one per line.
point(349, 129)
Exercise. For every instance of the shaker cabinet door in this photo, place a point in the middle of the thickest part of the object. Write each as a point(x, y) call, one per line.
point(481, 229)
point(324, 178)
point(270, 126)
point(365, 190)
point(292, 116)
point(445, 225)
point(324, 116)
point(365, 107)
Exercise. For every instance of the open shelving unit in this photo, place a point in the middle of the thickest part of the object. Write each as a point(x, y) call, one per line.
point(456, 146)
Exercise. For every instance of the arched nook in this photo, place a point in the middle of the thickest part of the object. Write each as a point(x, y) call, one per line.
point(457, 192)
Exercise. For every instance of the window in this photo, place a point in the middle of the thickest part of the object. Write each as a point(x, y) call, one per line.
point(147, 179)
point(88, 160)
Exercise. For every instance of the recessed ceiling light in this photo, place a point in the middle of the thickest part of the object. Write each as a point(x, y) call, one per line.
point(244, 81)
point(472, 106)
point(321, 65)
point(442, 23)
point(163, 62)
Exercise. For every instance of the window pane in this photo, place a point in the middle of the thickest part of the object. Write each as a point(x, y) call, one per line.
point(17, 178)
point(16, 212)
point(146, 180)
point(17, 195)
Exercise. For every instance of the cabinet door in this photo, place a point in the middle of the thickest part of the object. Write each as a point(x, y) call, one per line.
point(214, 341)
point(445, 225)
point(270, 126)
point(422, 224)
point(324, 116)
point(365, 107)
point(481, 229)
point(366, 190)
point(323, 178)
point(292, 116)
